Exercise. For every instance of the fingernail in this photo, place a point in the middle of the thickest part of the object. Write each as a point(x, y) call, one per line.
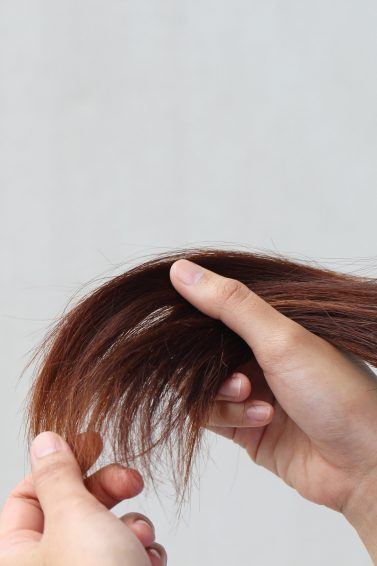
point(258, 412)
point(144, 523)
point(231, 387)
point(154, 552)
point(187, 272)
point(45, 443)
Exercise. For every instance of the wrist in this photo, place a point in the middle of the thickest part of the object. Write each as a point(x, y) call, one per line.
point(360, 510)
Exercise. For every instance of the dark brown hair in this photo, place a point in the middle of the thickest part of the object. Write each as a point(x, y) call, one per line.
point(137, 363)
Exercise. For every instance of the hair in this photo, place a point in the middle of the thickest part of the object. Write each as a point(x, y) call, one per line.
point(136, 363)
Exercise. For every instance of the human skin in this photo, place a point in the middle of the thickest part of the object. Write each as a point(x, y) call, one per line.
point(307, 412)
point(55, 518)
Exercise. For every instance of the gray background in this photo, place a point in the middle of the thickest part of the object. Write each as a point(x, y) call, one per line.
point(131, 127)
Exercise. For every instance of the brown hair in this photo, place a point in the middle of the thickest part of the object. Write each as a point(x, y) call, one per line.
point(137, 363)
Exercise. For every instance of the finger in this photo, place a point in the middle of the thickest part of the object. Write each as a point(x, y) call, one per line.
point(263, 328)
point(57, 478)
point(141, 526)
point(157, 555)
point(22, 510)
point(236, 388)
point(114, 483)
point(253, 413)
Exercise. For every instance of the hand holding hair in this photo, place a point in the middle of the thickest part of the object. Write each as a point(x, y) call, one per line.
point(319, 430)
point(51, 517)
point(147, 364)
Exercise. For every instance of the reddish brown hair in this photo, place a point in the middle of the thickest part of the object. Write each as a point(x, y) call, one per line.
point(137, 363)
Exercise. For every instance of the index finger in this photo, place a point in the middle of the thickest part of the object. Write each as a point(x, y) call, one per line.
point(22, 510)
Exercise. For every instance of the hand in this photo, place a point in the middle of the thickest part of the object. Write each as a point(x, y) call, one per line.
point(312, 418)
point(52, 517)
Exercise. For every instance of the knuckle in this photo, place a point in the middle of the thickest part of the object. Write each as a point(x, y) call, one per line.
point(229, 415)
point(287, 343)
point(292, 337)
point(50, 472)
point(221, 412)
point(231, 292)
point(218, 414)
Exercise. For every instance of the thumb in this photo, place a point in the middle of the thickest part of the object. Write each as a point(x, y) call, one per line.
point(261, 326)
point(56, 475)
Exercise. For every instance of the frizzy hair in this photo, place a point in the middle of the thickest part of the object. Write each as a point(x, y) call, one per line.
point(135, 362)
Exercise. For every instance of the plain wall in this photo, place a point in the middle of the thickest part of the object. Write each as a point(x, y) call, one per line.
point(132, 127)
